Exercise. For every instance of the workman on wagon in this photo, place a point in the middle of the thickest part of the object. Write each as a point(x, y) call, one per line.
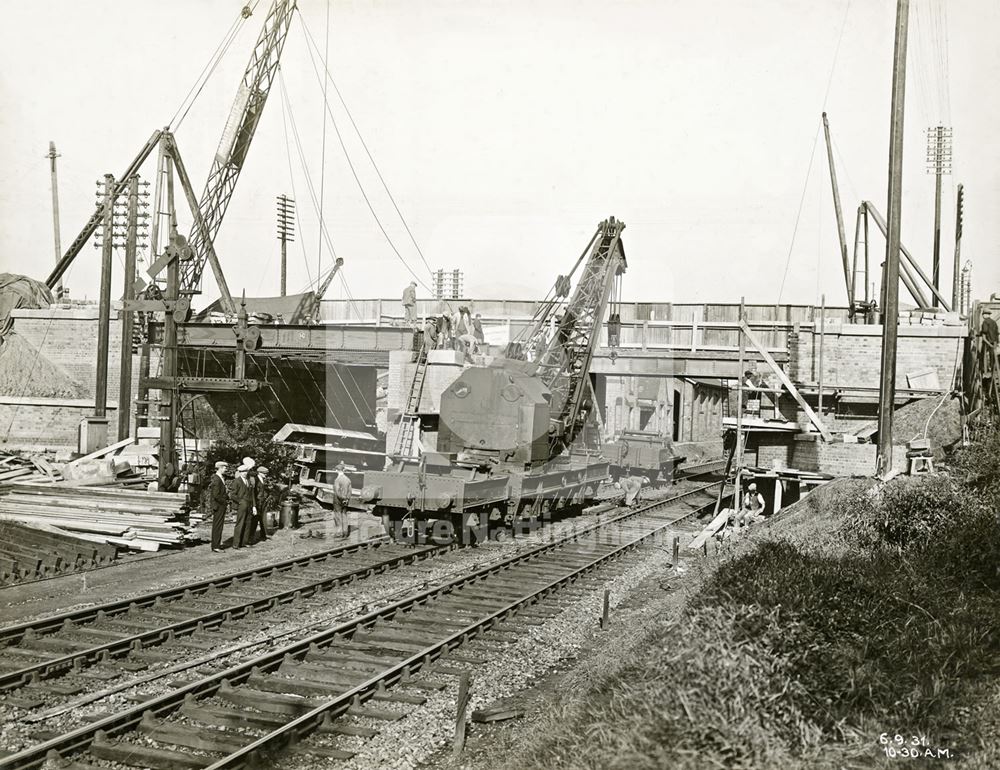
point(477, 330)
point(991, 335)
point(431, 334)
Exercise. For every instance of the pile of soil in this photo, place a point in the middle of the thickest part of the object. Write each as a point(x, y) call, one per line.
point(909, 422)
point(25, 372)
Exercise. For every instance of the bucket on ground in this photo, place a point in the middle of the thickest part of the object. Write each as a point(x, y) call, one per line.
point(289, 515)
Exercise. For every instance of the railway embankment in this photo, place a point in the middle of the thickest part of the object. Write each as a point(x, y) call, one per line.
point(858, 629)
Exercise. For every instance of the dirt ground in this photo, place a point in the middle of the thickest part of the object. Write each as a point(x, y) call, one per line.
point(501, 745)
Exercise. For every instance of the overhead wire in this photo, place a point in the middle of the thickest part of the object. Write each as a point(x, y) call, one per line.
point(357, 131)
point(322, 162)
point(357, 179)
point(324, 232)
point(812, 154)
point(291, 179)
point(210, 66)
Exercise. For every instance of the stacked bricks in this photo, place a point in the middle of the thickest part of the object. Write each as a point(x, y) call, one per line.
point(852, 354)
point(835, 458)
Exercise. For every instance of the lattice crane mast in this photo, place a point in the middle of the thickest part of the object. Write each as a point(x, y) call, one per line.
point(235, 143)
point(563, 361)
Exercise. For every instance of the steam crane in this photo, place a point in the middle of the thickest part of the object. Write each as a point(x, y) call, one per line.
point(234, 145)
point(564, 364)
point(508, 433)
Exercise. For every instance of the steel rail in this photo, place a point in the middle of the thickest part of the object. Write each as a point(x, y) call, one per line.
point(13, 633)
point(125, 721)
point(205, 620)
point(267, 746)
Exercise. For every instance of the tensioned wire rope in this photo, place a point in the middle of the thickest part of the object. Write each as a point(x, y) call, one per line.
point(309, 183)
point(361, 138)
point(354, 172)
point(812, 154)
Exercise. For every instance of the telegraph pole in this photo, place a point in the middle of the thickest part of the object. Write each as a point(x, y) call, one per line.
point(104, 308)
point(286, 234)
point(890, 322)
point(955, 284)
point(55, 212)
point(938, 163)
point(125, 368)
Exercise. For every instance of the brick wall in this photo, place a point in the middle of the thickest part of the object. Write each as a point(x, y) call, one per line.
point(835, 458)
point(69, 338)
point(41, 424)
point(852, 354)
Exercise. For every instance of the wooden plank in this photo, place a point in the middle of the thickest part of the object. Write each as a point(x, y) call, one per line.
point(710, 529)
point(813, 418)
point(111, 449)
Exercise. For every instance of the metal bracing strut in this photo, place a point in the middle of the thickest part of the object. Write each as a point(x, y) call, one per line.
point(908, 265)
point(97, 217)
point(233, 147)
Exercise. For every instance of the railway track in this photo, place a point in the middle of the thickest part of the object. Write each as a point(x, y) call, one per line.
point(345, 680)
point(96, 637)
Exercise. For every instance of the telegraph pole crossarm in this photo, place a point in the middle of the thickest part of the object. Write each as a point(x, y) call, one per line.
point(98, 216)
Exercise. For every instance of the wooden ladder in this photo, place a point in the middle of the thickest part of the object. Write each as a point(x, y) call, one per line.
point(411, 419)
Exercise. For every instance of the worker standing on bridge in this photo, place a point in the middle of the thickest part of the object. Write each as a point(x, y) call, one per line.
point(218, 501)
point(410, 303)
point(341, 499)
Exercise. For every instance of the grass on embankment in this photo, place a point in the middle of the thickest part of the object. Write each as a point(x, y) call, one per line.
point(800, 653)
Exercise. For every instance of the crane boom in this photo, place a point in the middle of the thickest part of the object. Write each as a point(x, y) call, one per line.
point(235, 142)
point(564, 361)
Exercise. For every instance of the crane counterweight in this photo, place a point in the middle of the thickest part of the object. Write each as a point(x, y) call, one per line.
point(512, 445)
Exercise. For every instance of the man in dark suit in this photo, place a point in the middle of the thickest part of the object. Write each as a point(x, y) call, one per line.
point(243, 497)
point(218, 501)
point(262, 499)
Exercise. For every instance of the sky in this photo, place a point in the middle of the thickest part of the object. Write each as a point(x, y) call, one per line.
point(506, 131)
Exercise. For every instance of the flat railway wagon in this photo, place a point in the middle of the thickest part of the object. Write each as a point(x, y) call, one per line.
point(508, 483)
point(638, 453)
point(513, 436)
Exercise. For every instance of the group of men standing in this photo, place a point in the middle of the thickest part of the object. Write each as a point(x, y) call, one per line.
point(251, 495)
point(457, 330)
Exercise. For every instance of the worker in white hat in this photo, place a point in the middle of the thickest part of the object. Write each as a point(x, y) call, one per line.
point(246, 504)
point(258, 482)
point(753, 505)
point(218, 502)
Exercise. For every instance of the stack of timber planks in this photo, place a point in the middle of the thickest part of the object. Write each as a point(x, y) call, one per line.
point(33, 553)
point(37, 470)
point(126, 518)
